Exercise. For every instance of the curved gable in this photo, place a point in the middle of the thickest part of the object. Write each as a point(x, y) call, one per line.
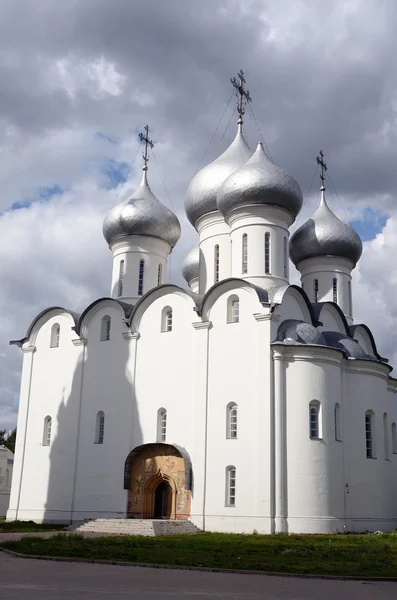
point(292, 303)
point(82, 325)
point(363, 335)
point(331, 317)
point(40, 320)
point(259, 295)
point(156, 293)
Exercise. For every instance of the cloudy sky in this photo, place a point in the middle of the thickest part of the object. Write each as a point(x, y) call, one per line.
point(80, 78)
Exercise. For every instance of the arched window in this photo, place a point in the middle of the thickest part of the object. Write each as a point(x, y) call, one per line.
point(285, 258)
point(121, 277)
point(233, 309)
point(161, 425)
point(105, 328)
point(314, 420)
point(338, 432)
point(216, 263)
point(315, 289)
point(55, 335)
point(100, 427)
point(369, 434)
point(159, 274)
point(244, 252)
point(349, 287)
point(394, 437)
point(7, 481)
point(47, 431)
point(267, 252)
point(231, 420)
point(230, 486)
point(166, 319)
point(335, 290)
point(141, 274)
point(386, 436)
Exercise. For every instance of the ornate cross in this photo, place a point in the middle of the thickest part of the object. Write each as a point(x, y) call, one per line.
point(238, 82)
point(148, 142)
point(323, 166)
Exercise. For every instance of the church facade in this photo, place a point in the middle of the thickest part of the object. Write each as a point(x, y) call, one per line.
point(240, 402)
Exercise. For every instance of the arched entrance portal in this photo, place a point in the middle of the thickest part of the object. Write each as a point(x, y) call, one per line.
point(158, 479)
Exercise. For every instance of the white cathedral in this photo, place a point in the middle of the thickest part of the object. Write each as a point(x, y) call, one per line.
point(240, 402)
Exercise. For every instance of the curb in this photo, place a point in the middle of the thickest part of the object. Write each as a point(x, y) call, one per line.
point(193, 568)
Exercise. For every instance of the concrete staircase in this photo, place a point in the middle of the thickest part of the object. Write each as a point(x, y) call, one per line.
point(146, 527)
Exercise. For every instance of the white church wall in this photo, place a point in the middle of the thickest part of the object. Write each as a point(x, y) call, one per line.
point(6, 466)
point(48, 470)
point(213, 231)
point(315, 489)
point(362, 337)
point(238, 356)
point(331, 320)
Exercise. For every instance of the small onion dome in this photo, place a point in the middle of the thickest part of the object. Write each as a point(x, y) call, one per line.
point(190, 266)
point(260, 182)
point(203, 189)
point(142, 214)
point(324, 235)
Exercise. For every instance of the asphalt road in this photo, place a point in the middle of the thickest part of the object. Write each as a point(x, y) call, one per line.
point(29, 579)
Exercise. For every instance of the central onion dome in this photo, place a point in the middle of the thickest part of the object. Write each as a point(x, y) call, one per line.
point(203, 189)
point(142, 214)
point(191, 265)
point(325, 235)
point(260, 182)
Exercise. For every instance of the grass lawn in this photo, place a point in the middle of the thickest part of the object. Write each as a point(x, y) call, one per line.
point(24, 526)
point(359, 555)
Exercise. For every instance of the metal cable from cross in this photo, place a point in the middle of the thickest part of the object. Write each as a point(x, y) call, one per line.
point(242, 94)
point(323, 168)
point(148, 142)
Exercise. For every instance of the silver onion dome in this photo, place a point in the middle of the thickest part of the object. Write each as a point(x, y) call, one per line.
point(142, 214)
point(260, 182)
point(191, 266)
point(203, 189)
point(324, 235)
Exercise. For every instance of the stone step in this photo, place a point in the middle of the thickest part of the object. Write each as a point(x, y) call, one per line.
point(143, 527)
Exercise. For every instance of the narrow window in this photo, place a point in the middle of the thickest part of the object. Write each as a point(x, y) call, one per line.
point(386, 436)
point(335, 290)
point(267, 252)
point(47, 431)
point(244, 254)
point(100, 427)
point(231, 423)
point(349, 287)
point(121, 277)
point(161, 425)
point(231, 486)
point(159, 274)
point(285, 258)
point(314, 420)
point(315, 289)
point(216, 263)
point(369, 434)
point(7, 481)
point(55, 335)
point(140, 281)
point(105, 328)
point(338, 433)
point(233, 309)
point(394, 437)
point(166, 319)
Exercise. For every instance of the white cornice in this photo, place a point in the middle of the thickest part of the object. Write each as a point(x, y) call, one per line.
point(79, 341)
point(28, 349)
point(202, 325)
point(262, 316)
point(131, 335)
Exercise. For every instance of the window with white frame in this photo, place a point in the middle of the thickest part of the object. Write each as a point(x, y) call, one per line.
point(267, 252)
point(394, 438)
point(335, 290)
point(166, 319)
point(285, 258)
point(314, 420)
point(47, 431)
point(55, 335)
point(140, 279)
point(369, 434)
point(121, 278)
point(338, 432)
point(161, 425)
point(216, 263)
point(315, 289)
point(386, 436)
point(105, 328)
point(233, 309)
point(244, 252)
point(100, 427)
point(159, 274)
point(230, 486)
point(231, 420)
